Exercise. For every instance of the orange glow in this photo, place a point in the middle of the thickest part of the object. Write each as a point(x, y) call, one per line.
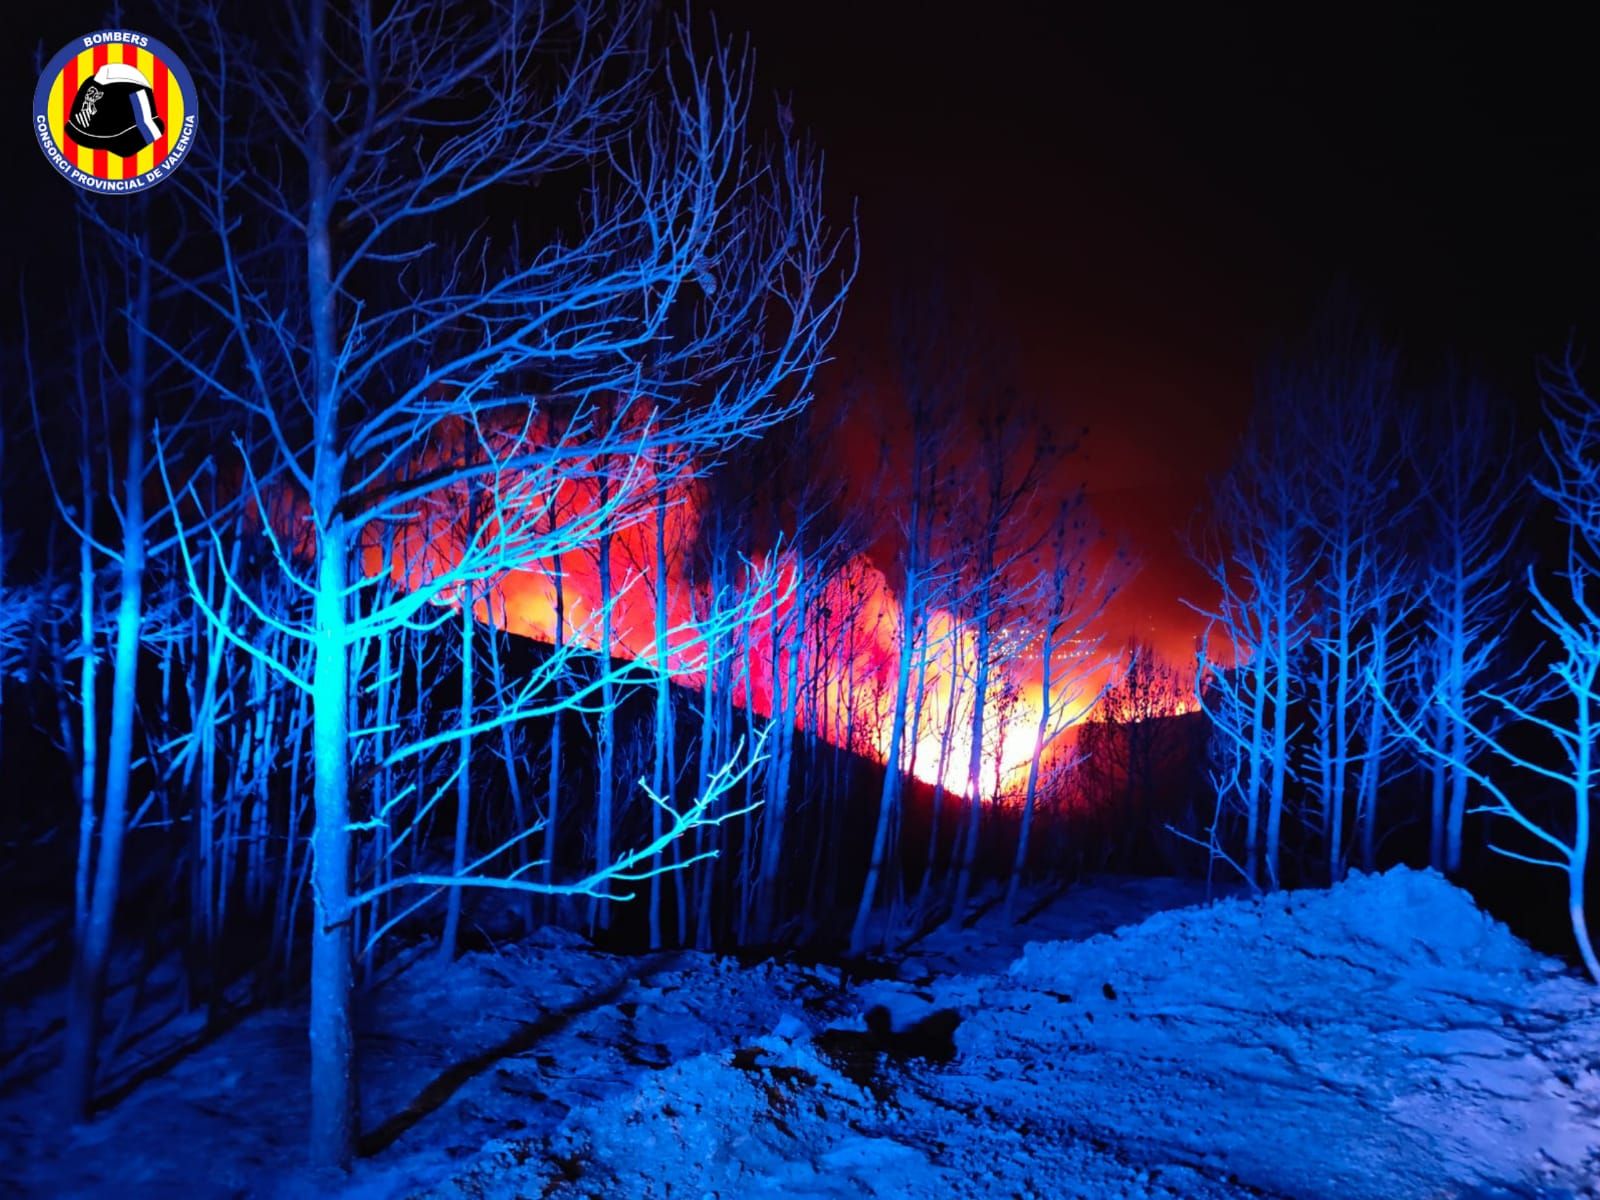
point(846, 628)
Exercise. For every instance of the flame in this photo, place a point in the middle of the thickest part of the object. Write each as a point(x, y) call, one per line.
point(846, 627)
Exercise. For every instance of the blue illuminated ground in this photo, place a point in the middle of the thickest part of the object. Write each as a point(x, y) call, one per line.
point(1382, 1040)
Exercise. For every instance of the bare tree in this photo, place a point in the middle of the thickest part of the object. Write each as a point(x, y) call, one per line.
point(1557, 701)
point(930, 380)
point(1127, 739)
point(691, 285)
point(1471, 525)
point(1073, 600)
point(1256, 556)
point(114, 528)
point(1341, 403)
point(1011, 457)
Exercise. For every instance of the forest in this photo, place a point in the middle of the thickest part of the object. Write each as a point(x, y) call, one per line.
point(450, 563)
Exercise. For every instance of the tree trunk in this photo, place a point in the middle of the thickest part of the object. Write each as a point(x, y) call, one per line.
point(552, 814)
point(969, 843)
point(1019, 864)
point(334, 1118)
point(333, 1065)
point(606, 734)
point(458, 862)
point(87, 987)
point(661, 775)
point(890, 795)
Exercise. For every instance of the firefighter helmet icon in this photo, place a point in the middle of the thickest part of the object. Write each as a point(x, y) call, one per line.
point(115, 111)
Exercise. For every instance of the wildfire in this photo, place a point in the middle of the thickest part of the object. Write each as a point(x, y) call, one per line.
point(844, 628)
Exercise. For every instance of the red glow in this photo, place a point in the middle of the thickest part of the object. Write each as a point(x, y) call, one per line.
point(846, 627)
point(849, 640)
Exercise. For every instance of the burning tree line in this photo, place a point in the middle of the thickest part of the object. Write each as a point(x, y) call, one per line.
point(344, 411)
point(1403, 607)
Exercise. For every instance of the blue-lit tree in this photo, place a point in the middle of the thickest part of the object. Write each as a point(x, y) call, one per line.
point(1389, 652)
point(656, 570)
point(107, 514)
point(1009, 463)
point(807, 504)
point(1314, 552)
point(1348, 446)
point(1070, 597)
point(1257, 556)
point(931, 378)
point(1471, 523)
point(1558, 702)
point(372, 317)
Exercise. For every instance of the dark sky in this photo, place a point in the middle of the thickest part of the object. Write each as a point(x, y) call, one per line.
point(1145, 200)
point(1153, 198)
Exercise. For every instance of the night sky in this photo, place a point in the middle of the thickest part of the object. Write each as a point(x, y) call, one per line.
point(1147, 201)
point(1137, 204)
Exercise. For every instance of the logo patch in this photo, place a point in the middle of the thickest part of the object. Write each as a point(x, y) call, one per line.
point(115, 111)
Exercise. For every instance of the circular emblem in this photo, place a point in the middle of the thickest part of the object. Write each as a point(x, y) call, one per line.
point(115, 111)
